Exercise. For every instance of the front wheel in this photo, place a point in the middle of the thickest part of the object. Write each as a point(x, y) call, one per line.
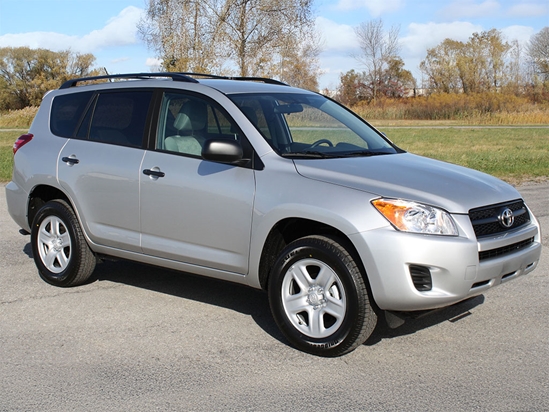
point(60, 250)
point(319, 298)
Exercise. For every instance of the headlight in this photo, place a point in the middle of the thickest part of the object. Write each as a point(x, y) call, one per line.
point(416, 218)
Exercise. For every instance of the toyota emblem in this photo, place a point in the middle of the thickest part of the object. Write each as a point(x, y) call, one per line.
point(507, 219)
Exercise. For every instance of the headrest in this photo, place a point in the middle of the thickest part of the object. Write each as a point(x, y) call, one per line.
point(182, 122)
point(197, 112)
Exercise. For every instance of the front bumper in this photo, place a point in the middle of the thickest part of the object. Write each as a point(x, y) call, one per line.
point(456, 271)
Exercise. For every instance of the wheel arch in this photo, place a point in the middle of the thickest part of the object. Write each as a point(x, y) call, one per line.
point(290, 229)
point(39, 196)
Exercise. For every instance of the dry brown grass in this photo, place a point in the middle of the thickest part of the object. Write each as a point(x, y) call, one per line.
point(18, 119)
point(452, 109)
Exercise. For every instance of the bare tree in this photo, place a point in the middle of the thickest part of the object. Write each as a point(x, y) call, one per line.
point(183, 34)
point(219, 36)
point(538, 51)
point(378, 47)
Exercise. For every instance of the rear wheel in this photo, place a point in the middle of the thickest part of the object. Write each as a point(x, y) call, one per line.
point(60, 250)
point(319, 298)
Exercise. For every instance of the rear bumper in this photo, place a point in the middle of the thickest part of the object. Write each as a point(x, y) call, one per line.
point(17, 200)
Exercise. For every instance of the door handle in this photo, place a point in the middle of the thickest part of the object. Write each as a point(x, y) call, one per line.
point(70, 160)
point(155, 173)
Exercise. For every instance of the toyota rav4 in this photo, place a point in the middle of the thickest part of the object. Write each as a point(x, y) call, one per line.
point(252, 181)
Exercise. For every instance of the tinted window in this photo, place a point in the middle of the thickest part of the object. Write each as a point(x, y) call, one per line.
point(119, 118)
point(187, 121)
point(66, 112)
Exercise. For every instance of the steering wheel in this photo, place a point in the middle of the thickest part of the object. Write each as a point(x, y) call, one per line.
point(321, 141)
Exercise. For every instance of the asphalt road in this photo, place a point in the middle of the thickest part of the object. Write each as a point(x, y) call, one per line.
point(139, 338)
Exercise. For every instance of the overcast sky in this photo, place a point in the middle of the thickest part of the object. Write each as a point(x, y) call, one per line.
point(107, 28)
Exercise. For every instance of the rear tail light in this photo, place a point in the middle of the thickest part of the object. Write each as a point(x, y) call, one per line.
point(21, 141)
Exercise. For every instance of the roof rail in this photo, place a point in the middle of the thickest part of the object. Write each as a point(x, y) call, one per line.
point(255, 79)
point(180, 77)
point(175, 76)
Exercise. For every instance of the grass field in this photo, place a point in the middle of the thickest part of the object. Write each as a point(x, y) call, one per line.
point(6, 152)
point(513, 154)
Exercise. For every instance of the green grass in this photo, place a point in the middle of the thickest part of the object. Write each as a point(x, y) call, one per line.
point(513, 154)
point(6, 153)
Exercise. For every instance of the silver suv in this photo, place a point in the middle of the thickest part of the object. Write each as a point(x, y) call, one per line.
point(256, 182)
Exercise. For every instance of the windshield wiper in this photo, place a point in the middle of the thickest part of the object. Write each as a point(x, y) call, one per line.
point(312, 154)
point(366, 153)
point(309, 154)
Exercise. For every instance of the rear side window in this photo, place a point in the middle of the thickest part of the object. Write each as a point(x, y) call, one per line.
point(66, 112)
point(117, 118)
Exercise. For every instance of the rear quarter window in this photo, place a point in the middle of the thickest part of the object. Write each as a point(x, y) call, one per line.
point(66, 112)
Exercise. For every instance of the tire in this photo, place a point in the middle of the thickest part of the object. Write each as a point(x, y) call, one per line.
point(60, 250)
point(319, 297)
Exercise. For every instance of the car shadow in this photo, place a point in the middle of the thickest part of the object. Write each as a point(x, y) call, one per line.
point(412, 322)
point(232, 296)
point(254, 302)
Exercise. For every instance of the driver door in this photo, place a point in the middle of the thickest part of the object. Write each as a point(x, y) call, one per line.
point(192, 210)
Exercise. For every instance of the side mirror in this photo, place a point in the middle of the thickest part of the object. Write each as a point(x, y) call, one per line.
point(224, 151)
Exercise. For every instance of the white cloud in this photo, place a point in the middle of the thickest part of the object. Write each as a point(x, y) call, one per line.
point(425, 36)
point(119, 31)
point(470, 8)
point(153, 63)
point(336, 37)
point(528, 10)
point(375, 7)
point(520, 33)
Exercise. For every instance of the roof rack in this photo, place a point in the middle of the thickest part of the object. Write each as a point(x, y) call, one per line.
point(246, 78)
point(180, 77)
point(175, 76)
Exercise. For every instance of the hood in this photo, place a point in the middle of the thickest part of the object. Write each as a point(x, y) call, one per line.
point(411, 177)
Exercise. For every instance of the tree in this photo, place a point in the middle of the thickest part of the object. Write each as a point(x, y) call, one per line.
point(258, 37)
point(477, 66)
point(481, 62)
point(299, 63)
point(538, 51)
point(395, 80)
point(440, 66)
point(352, 88)
point(377, 48)
point(184, 35)
point(27, 74)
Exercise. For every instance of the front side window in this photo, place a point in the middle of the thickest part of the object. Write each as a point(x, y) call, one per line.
point(117, 118)
point(311, 126)
point(187, 121)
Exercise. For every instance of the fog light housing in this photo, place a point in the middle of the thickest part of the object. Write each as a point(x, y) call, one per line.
point(421, 277)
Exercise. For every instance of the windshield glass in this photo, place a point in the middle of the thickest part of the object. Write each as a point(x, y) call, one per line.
point(311, 126)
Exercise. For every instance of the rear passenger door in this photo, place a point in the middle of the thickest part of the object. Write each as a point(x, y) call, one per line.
point(192, 210)
point(100, 166)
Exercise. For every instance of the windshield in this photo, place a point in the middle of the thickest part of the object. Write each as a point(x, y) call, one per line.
point(311, 126)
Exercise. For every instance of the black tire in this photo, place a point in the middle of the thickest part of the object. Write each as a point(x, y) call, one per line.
point(319, 298)
point(60, 250)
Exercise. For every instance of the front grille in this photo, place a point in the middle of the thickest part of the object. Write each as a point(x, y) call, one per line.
point(487, 254)
point(489, 220)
